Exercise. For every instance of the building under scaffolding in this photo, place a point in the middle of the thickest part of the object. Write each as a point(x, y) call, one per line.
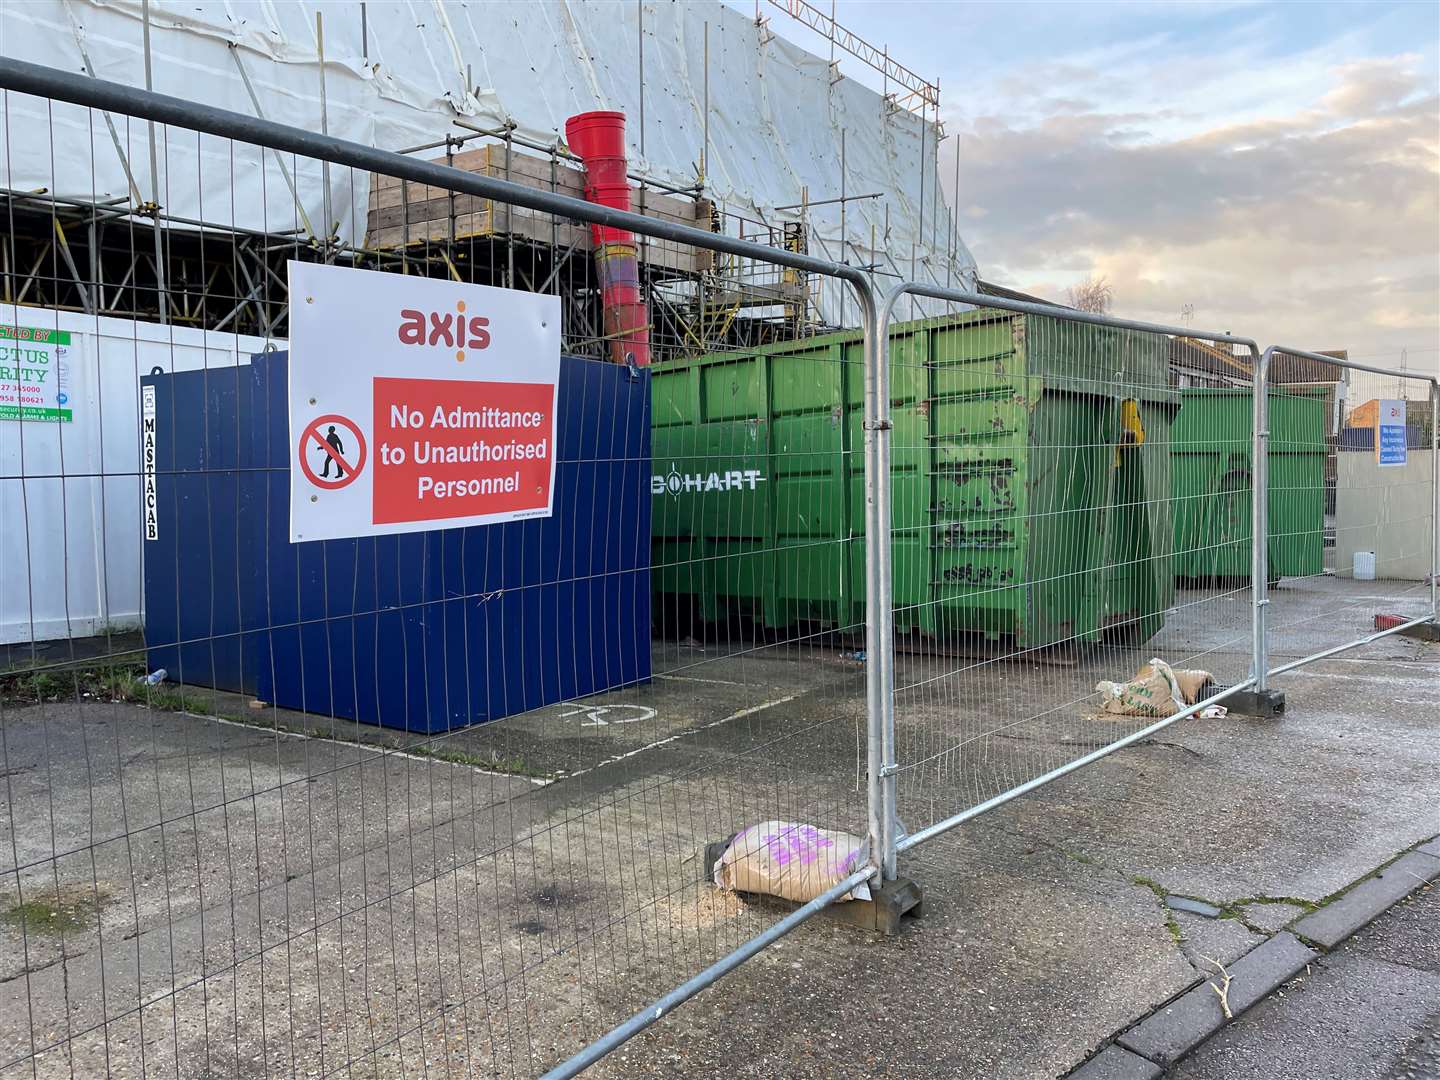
point(731, 128)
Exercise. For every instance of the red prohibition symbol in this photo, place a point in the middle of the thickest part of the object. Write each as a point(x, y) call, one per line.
point(312, 439)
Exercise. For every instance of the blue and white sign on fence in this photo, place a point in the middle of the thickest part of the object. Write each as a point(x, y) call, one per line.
point(1390, 433)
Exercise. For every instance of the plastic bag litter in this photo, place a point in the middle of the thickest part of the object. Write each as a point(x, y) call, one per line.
point(1156, 690)
point(792, 860)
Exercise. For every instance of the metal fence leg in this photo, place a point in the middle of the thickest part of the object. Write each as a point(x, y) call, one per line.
point(1260, 700)
point(1259, 523)
point(879, 592)
point(1434, 499)
point(892, 896)
point(885, 610)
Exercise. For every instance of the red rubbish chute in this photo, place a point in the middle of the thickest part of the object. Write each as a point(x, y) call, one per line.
point(598, 139)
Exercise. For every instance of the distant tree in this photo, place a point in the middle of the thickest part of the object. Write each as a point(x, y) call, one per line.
point(1092, 294)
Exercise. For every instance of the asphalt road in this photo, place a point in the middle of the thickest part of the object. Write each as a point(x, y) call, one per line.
point(1368, 1011)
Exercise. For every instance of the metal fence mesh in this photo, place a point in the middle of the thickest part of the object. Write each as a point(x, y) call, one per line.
point(436, 803)
point(1059, 520)
point(196, 880)
point(1356, 453)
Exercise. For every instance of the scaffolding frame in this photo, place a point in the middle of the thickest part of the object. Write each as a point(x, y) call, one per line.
point(128, 256)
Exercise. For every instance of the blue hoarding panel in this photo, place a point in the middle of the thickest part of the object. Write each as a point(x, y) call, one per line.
point(199, 593)
point(423, 631)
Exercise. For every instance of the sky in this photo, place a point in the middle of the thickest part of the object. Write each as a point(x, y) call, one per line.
point(1274, 166)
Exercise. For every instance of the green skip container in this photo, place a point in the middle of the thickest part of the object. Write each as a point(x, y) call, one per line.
point(1030, 473)
point(1211, 462)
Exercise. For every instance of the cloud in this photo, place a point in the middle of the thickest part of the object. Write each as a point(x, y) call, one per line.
point(1316, 224)
point(1371, 85)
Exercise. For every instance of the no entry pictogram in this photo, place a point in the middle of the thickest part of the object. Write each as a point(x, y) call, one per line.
point(332, 448)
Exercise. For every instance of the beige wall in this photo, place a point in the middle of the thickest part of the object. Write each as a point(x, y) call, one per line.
point(1387, 511)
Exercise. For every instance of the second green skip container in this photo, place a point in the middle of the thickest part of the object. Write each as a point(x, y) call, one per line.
point(1030, 481)
point(1212, 456)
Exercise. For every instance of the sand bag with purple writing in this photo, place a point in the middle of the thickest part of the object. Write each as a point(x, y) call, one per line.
point(792, 860)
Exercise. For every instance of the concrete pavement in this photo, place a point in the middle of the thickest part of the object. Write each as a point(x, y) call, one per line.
point(299, 895)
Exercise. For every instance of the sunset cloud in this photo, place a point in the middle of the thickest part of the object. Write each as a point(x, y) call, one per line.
point(1316, 225)
point(1275, 165)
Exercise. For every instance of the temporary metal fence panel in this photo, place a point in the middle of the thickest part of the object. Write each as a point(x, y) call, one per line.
point(869, 578)
point(1357, 452)
point(1046, 499)
point(299, 850)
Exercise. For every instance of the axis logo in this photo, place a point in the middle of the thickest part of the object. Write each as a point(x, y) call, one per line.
point(674, 482)
point(451, 330)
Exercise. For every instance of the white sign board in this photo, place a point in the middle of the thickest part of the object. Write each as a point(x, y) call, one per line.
point(35, 363)
point(1390, 442)
point(150, 503)
point(417, 403)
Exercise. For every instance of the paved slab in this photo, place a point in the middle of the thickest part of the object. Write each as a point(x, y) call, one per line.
point(1178, 1028)
point(1337, 920)
point(1194, 907)
point(1269, 916)
point(1117, 1063)
point(1369, 1010)
point(1203, 940)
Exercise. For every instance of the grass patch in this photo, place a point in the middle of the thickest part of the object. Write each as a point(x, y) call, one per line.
point(52, 914)
point(512, 764)
point(120, 681)
point(99, 681)
point(1172, 924)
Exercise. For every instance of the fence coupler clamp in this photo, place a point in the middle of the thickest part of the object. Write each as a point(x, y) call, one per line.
point(877, 425)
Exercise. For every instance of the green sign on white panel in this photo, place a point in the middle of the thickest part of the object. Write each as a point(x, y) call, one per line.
point(35, 374)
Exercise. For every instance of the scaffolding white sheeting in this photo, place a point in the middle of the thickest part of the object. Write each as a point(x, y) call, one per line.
point(397, 74)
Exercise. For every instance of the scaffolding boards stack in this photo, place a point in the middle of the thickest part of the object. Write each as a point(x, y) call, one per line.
point(405, 215)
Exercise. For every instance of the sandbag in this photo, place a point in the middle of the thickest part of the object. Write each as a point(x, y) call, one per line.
point(1192, 682)
point(792, 860)
point(1157, 690)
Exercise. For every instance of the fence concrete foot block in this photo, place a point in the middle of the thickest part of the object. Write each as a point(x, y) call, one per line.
point(889, 903)
point(1190, 1019)
point(1263, 703)
point(1337, 920)
point(1116, 1063)
point(1425, 631)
